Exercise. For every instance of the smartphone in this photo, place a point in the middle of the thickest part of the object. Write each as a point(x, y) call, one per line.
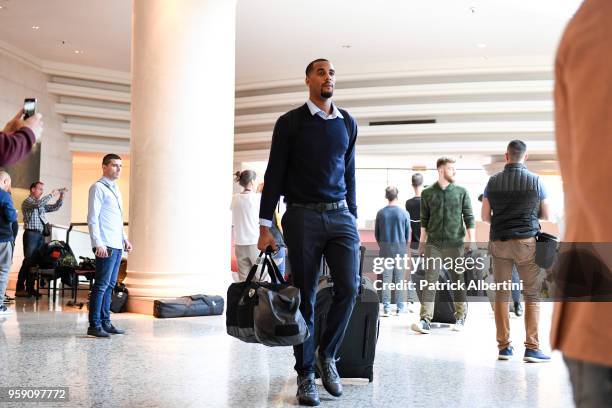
point(29, 107)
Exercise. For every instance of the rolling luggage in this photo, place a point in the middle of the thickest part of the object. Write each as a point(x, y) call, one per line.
point(444, 308)
point(357, 351)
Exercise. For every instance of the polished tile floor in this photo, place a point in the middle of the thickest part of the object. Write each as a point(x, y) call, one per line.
point(191, 362)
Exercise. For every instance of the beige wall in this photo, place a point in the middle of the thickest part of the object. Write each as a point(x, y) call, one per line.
point(19, 80)
point(86, 169)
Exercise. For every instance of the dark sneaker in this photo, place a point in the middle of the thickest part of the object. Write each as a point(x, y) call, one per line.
point(329, 375)
point(96, 332)
point(459, 325)
point(109, 328)
point(518, 309)
point(506, 354)
point(8, 299)
point(22, 293)
point(5, 311)
point(535, 356)
point(421, 327)
point(307, 393)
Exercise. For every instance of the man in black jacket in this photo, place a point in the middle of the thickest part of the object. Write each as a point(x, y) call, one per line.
point(312, 164)
point(512, 201)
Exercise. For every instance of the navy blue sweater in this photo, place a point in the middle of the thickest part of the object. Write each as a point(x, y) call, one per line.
point(312, 160)
point(8, 216)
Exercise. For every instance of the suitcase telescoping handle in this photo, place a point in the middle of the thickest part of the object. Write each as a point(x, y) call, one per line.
point(362, 250)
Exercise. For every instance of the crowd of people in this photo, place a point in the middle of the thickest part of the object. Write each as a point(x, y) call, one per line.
point(312, 164)
point(104, 218)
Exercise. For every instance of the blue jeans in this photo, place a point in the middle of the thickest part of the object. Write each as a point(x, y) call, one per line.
point(32, 241)
point(309, 234)
point(516, 293)
point(107, 270)
point(393, 274)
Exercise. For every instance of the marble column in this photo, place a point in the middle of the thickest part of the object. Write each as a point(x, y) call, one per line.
point(181, 148)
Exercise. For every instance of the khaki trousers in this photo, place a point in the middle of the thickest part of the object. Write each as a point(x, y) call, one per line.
point(520, 252)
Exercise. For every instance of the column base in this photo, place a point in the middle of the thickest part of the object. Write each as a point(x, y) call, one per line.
point(140, 305)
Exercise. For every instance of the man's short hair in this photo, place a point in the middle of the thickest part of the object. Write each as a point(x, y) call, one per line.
point(417, 180)
point(36, 183)
point(391, 193)
point(107, 159)
point(516, 150)
point(310, 66)
point(444, 160)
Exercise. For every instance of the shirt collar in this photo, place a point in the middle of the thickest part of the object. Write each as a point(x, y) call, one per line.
point(315, 110)
point(450, 186)
point(108, 181)
point(515, 166)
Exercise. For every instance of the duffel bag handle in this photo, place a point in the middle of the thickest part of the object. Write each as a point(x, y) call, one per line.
point(273, 270)
point(265, 259)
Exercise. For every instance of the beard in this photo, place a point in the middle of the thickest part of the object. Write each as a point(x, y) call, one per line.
point(327, 94)
point(449, 178)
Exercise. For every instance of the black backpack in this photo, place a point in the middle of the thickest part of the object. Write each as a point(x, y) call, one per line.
point(119, 298)
point(55, 254)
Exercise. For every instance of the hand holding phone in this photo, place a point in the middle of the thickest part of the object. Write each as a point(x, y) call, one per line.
point(29, 108)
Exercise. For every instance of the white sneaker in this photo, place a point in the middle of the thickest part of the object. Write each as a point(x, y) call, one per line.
point(4, 311)
point(459, 325)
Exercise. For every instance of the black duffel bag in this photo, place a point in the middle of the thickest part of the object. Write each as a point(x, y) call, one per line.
point(546, 249)
point(265, 312)
point(119, 298)
point(188, 306)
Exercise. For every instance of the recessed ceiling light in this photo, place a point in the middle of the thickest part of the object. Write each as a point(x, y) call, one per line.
point(346, 46)
point(481, 45)
point(78, 51)
point(35, 27)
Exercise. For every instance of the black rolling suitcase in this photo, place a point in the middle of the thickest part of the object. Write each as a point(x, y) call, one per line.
point(356, 354)
point(444, 308)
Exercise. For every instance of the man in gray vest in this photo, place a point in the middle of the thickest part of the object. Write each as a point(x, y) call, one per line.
point(512, 201)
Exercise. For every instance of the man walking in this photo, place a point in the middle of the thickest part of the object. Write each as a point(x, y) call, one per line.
point(108, 240)
point(392, 232)
point(36, 225)
point(445, 208)
point(512, 201)
point(583, 125)
point(312, 163)
point(413, 206)
point(8, 216)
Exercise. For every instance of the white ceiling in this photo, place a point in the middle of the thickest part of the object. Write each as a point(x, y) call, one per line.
point(276, 38)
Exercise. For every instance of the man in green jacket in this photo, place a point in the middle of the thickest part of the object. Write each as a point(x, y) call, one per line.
point(445, 208)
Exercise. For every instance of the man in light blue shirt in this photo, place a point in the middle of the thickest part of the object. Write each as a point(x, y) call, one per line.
point(108, 240)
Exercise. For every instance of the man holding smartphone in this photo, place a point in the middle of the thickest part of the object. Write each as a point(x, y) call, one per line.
point(35, 227)
point(108, 240)
point(19, 136)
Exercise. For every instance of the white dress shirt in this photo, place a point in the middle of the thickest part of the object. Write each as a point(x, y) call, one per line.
point(105, 214)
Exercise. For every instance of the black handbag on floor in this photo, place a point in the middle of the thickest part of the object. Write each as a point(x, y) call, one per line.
point(265, 312)
point(189, 306)
point(119, 299)
point(546, 249)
